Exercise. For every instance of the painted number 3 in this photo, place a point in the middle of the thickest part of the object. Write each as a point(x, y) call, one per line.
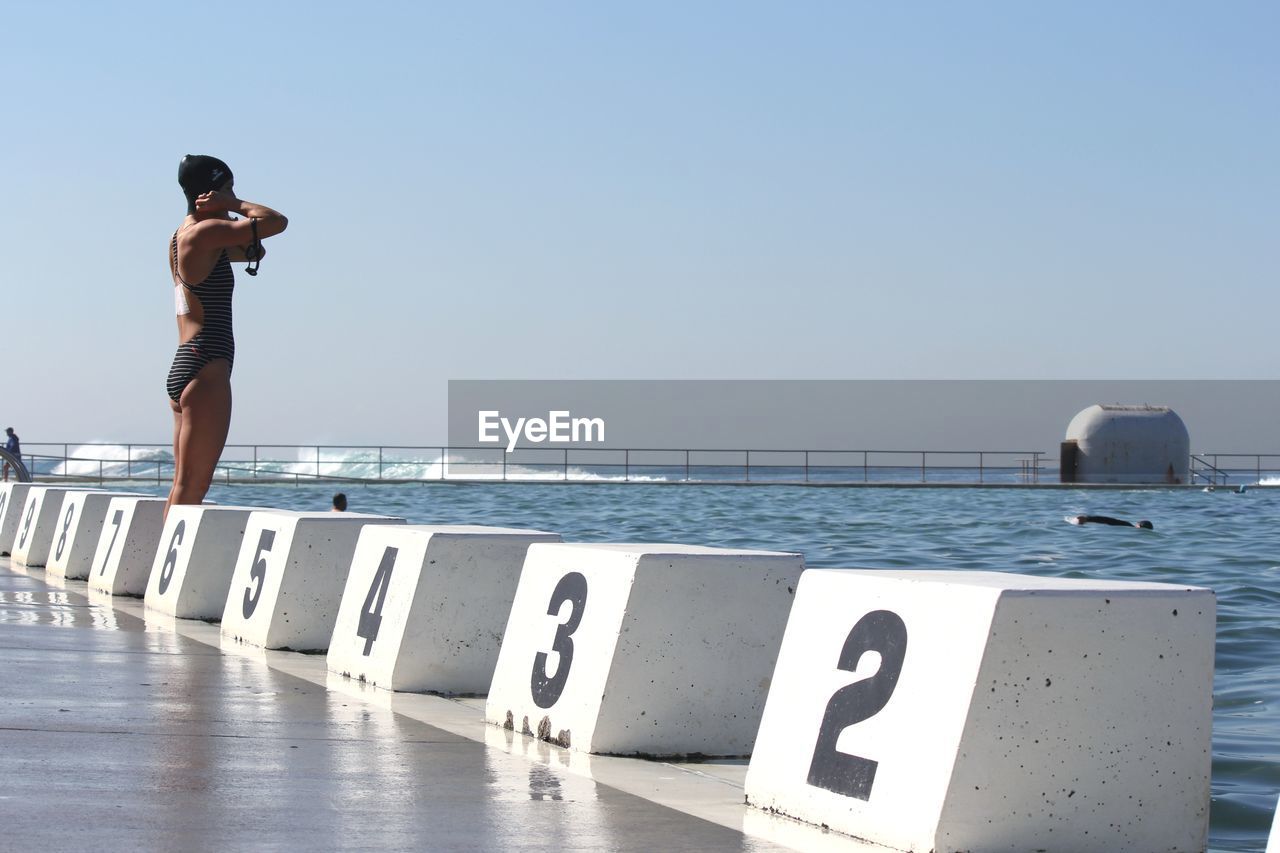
point(546, 690)
point(851, 775)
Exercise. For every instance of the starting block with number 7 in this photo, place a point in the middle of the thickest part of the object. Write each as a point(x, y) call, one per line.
point(940, 710)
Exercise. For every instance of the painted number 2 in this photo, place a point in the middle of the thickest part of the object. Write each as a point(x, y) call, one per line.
point(258, 573)
point(546, 690)
point(371, 613)
point(851, 775)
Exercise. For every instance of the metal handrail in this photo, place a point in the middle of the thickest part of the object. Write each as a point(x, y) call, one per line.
point(256, 462)
point(265, 463)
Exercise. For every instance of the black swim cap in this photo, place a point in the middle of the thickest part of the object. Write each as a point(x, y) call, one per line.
point(199, 174)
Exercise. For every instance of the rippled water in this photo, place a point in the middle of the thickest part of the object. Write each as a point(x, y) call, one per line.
point(1229, 542)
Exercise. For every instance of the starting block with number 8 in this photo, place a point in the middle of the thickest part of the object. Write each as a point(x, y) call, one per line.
point(655, 650)
point(940, 710)
point(42, 521)
point(425, 606)
point(289, 577)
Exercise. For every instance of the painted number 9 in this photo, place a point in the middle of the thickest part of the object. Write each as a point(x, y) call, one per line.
point(26, 525)
point(258, 574)
point(851, 775)
point(546, 690)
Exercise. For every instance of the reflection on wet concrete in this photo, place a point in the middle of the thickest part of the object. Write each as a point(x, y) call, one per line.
point(123, 735)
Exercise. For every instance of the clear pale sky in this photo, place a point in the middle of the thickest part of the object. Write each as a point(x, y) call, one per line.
point(651, 190)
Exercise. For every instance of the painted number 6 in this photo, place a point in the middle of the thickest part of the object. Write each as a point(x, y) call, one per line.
point(879, 631)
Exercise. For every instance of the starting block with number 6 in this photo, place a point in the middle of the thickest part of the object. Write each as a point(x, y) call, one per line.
point(654, 650)
point(946, 711)
point(191, 573)
point(289, 576)
point(425, 606)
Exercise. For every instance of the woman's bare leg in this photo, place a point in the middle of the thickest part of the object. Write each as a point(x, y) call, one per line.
point(205, 420)
point(177, 451)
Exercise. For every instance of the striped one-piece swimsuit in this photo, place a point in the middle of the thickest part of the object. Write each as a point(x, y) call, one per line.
point(215, 338)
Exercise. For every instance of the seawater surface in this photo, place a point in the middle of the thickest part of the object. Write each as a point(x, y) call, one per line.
point(1223, 540)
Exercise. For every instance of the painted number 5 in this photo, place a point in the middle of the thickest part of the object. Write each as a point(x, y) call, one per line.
point(851, 775)
point(258, 574)
point(546, 690)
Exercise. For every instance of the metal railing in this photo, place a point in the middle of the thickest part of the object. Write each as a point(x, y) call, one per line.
point(276, 463)
point(280, 463)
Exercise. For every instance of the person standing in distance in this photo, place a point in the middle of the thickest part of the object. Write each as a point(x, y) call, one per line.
point(200, 255)
point(14, 446)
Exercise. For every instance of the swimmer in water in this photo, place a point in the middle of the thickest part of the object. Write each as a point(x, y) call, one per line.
point(1106, 519)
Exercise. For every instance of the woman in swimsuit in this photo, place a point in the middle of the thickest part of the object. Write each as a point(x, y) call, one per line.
point(200, 256)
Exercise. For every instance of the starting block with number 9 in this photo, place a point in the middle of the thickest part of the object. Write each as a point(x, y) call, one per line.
point(425, 605)
point(289, 577)
point(13, 499)
point(42, 520)
point(655, 650)
point(940, 710)
point(191, 573)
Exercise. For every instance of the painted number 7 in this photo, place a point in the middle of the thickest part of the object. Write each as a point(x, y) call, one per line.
point(851, 775)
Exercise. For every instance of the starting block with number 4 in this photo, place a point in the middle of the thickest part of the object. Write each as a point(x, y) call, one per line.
point(949, 711)
point(425, 606)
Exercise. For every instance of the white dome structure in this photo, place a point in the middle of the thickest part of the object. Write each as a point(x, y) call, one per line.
point(1126, 444)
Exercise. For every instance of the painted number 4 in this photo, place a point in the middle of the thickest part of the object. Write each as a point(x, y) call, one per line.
point(371, 613)
point(850, 775)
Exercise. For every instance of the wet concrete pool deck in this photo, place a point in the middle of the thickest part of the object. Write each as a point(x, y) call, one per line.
point(120, 730)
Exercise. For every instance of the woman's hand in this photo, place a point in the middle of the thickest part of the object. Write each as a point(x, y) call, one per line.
point(217, 201)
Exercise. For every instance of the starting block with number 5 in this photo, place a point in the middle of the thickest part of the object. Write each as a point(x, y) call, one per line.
point(655, 650)
point(289, 576)
point(425, 606)
point(940, 710)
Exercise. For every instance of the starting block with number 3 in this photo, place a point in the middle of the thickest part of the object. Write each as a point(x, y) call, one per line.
point(425, 606)
point(947, 711)
point(655, 650)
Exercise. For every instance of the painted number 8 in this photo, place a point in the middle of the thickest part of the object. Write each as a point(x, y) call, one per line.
point(851, 775)
point(546, 690)
point(66, 526)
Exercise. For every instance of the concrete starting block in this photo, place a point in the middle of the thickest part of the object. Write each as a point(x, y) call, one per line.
point(197, 552)
point(42, 521)
point(13, 499)
point(289, 577)
point(425, 606)
point(80, 527)
point(1273, 842)
point(655, 650)
point(127, 545)
point(952, 711)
